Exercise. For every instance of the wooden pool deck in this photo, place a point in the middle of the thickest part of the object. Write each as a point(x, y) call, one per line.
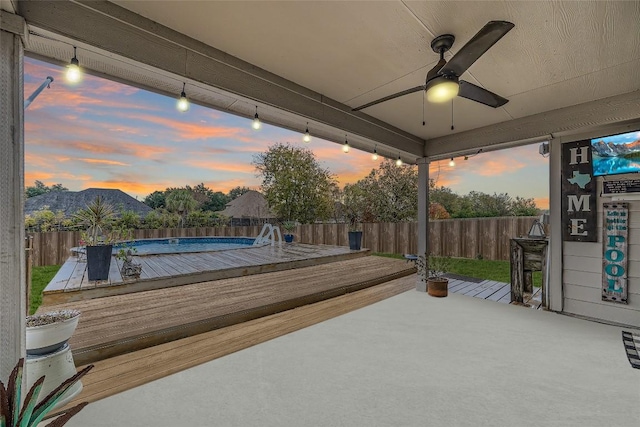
point(168, 270)
point(119, 324)
point(491, 290)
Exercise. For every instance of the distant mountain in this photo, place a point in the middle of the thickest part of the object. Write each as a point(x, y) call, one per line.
point(71, 202)
point(610, 149)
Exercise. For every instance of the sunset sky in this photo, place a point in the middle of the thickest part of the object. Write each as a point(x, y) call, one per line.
point(104, 134)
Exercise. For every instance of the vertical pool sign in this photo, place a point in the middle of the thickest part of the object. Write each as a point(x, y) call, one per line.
point(615, 231)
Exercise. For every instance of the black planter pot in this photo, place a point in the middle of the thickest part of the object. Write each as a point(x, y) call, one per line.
point(288, 238)
point(98, 262)
point(355, 240)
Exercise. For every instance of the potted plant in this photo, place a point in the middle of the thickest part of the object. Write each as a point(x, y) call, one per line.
point(355, 236)
point(48, 332)
point(288, 227)
point(354, 206)
point(129, 269)
point(17, 410)
point(432, 270)
point(48, 354)
point(97, 217)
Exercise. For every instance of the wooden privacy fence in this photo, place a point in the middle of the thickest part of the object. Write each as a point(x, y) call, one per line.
point(487, 238)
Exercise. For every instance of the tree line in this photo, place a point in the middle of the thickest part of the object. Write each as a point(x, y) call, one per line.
point(299, 189)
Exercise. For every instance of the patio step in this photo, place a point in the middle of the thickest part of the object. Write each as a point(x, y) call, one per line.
point(115, 325)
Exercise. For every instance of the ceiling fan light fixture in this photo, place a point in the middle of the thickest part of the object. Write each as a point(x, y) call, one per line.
point(442, 88)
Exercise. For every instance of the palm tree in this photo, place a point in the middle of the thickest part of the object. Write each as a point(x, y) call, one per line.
point(181, 202)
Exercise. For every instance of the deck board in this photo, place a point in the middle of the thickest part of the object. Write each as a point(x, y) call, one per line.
point(113, 325)
point(169, 270)
point(492, 289)
point(60, 280)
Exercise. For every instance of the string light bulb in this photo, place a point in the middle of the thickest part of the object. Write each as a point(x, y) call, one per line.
point(374, 156)
point(399, 161)
point(183, 103)
point(345, 146)
point(256, 121)
point(73, 69)
point(307, 135)
point(452, 163)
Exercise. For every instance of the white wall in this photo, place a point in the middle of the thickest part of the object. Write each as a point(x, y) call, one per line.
point(582, 272)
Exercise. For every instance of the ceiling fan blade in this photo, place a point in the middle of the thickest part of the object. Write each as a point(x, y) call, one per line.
point(434, 71)
point(395, 95)
point(478, 94)
point(476, 47)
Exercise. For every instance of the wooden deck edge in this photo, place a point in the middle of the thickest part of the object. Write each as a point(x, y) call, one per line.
point(124, 372)
point(83, 356)
point(58, 297)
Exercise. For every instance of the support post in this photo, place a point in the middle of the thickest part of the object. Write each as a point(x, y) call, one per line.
point(423, 214)
point(554, 289)
point(517, 269)
point(12, 248)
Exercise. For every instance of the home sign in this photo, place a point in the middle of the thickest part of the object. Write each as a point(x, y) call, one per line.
point(579, 215)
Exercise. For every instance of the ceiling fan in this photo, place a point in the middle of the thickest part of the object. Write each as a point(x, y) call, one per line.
point(443, 83)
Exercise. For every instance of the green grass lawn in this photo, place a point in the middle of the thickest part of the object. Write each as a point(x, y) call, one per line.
point(40, 277)
point(479, 268)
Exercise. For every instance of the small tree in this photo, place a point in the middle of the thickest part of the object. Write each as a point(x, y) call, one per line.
point(40, 188)
point(155, 200)
point(354, 205)
point(390, 193)
point(296, 187)
point(181, 202)
point(236, 192)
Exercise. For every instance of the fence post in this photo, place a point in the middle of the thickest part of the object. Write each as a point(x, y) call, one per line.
point(28, 250)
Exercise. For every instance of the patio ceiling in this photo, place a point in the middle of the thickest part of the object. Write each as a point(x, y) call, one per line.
point(566, 66)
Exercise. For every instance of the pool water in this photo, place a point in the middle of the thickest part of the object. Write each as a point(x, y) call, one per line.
point(185, 244)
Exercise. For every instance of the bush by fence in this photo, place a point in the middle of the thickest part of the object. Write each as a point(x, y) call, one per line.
point(486, 238)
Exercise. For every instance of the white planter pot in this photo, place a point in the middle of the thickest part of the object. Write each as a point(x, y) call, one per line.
point(49, 338)
point(56, 368)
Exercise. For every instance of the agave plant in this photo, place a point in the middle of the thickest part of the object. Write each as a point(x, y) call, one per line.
point(30, 413)
point(96, 217)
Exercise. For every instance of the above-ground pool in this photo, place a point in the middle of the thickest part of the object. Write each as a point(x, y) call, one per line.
point(185, 244)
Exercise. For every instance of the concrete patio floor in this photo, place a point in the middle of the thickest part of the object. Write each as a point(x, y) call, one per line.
point(410, 360)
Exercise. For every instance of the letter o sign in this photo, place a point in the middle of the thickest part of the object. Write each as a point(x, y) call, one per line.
point(614, 270)
point(614, 255)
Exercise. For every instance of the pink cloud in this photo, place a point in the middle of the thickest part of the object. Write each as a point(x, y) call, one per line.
point(217, 166)
point(186, 130)
point(104, 162)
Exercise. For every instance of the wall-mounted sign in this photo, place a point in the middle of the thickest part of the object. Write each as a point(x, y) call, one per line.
point(621, 186)
point(579, 215)
point(615, 230)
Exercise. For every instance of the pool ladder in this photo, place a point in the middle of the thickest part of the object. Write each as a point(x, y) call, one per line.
point(268, 235)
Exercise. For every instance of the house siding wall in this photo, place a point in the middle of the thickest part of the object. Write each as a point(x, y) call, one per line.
point(582, 273)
